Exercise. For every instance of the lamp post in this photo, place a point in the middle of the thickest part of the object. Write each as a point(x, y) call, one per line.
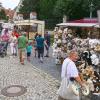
point(91, 9)
point(98, 14)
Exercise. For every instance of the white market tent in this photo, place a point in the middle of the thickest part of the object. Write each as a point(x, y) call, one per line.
point(79, 24)
point(86, 22)
point(40, 24)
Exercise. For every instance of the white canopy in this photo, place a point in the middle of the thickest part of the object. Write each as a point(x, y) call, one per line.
point(40, 24)
point(79, 24)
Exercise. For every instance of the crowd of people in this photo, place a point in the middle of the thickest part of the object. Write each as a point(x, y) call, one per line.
point(66, 50)
point(20, 44)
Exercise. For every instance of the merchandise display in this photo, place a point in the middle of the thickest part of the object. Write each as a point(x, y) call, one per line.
point(89, 53)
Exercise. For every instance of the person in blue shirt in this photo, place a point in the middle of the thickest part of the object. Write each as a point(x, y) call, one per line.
point(40, 47)
point(29, 50)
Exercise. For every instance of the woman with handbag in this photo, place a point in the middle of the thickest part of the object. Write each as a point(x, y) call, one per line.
point(69, 73)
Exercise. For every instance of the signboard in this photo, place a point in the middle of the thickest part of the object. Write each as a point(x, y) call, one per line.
point(31, 35)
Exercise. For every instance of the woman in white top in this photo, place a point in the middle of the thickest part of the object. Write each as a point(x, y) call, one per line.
point(13, 44)
point(72, 72)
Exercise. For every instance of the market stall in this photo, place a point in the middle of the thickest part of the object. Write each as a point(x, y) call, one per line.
point(31, 26)
point(88, 49)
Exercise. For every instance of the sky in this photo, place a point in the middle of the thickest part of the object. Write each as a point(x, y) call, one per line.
point(9, 3)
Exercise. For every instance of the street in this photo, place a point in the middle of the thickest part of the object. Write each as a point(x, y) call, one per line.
point(25, 82)
point(36, 81)
point(48, 65)
point(49, 45)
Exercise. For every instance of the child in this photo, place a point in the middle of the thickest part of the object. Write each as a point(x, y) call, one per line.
point(29, 50)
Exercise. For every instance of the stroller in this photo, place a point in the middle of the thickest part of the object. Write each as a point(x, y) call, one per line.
point(3, 49)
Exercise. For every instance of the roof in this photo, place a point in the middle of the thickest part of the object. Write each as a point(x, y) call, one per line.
point(81, 23)
point(78, 24)
point(85, 20)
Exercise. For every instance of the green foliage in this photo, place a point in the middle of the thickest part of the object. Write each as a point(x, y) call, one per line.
point(45, 12)
point(52, 11)
point(76, 9)
point(46, 9)
point(69, 7)
point(28, 6)
point(3, 15)
point(60, 6)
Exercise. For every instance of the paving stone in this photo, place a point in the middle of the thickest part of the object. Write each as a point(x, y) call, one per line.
point(40, 86)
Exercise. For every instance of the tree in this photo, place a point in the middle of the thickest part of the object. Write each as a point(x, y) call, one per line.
point(69, 7)
point(45, 12)
point(3, 15)
point(52, 11)
point(75, 9)
point(46, 8)
point(27, 7)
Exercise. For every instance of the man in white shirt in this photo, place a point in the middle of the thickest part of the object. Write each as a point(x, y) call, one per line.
point(72, 72)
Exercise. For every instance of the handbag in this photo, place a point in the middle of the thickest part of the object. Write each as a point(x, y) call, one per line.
point(76, 88)
point(65, 90)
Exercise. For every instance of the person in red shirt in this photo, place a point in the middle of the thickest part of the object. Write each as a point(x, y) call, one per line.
point(16, 33)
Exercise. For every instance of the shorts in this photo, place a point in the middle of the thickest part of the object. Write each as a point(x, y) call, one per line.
point(22, 52)
point(28, 54)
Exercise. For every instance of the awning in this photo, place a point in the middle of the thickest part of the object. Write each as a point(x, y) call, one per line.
point(86, 22)
point(78, 24)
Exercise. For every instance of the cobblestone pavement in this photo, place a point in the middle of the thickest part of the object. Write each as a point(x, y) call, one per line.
point(39, 85)
point(48, 65)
